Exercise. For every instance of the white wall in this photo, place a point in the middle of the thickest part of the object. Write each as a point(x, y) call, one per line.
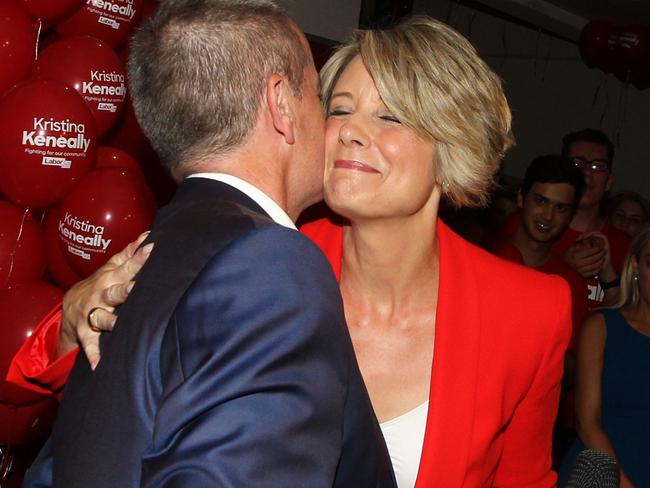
point(331, 19)
point(552, 92)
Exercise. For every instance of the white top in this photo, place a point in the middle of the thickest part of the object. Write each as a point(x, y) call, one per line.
point(258, 196)
point(404, 437)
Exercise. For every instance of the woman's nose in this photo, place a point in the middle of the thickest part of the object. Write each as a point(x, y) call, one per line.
point(353, 132)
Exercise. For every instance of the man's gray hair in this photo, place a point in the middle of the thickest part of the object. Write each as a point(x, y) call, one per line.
point(197, 70)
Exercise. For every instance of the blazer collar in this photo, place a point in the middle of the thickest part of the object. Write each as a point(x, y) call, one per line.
point(454, 375)
point(200, 190)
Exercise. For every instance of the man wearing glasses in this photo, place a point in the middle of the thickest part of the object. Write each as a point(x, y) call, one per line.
point(591, 245)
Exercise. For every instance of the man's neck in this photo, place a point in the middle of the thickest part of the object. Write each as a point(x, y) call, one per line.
point(534, 253)
point(587, 219)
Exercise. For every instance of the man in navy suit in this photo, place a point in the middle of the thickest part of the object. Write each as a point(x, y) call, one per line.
point(230, 364)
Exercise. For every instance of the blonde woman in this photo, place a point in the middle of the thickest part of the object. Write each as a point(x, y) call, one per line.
point(461, 352)
point(613, 373)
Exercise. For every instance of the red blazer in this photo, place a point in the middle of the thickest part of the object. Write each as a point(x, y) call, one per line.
point(501, 333)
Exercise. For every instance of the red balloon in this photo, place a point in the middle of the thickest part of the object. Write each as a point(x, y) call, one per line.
point(22, 247)
point(127, 135)
point(22, 308)
point(108, 209)
point(149, 8)
point(21, 425)
point(57, 266)
point(47, 136)
point(111, 21)
point(634, 52)
point(599, 45)
point(51, 9)
point(112, 157)
point(18, 34)
point(46, 39)
point(641, 80)
point(93, 69)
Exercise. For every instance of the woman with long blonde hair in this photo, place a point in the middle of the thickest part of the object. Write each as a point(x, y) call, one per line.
point(613, 373)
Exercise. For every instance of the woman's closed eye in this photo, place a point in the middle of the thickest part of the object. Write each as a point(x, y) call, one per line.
point(335, 111)
point(390, 118)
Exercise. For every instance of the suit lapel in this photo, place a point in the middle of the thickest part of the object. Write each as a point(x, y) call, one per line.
point(455, 367)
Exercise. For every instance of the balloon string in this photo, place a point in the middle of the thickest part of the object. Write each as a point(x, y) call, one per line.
point(38, 37)
point(539, 35)
point(504, 45)
point(15, 249)
point(602, 117)
point(600, 85)
point(622, 110)
point(7, 453)
point(548, 58)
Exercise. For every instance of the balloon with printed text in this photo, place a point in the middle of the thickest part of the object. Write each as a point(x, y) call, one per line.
point(93, 69)
point(111, 21)
point(599, 45)
point(50, 9)
point(47, 141)
point(22, 247)
point(18, 35)
point(107, 209)
point(634, 53)
point(57, 267)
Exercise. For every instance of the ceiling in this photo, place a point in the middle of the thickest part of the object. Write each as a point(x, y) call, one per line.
point(616, 11)
point(565, 18)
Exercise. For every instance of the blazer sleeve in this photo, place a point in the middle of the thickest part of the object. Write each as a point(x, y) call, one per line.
point(35, 367)
point(254, 371)
point(526, 458)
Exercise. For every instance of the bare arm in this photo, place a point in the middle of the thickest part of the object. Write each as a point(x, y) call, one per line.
point(588, 400)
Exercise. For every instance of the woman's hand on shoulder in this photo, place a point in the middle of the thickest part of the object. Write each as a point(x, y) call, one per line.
point(88, 306)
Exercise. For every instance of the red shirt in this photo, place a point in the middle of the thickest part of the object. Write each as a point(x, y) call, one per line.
point(619, 242)
point(555, 265)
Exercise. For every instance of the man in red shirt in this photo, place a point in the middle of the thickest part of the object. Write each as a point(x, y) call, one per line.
point(591, 246)
point(547, 200)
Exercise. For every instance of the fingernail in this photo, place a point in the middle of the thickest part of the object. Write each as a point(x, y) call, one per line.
point(146, 250)
point(129, 287)
point(112, 324)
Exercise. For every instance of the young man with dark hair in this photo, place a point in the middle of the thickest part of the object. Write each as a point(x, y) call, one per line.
point(550, 192)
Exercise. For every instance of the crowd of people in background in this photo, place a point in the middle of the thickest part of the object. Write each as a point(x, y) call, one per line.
point(563, 219)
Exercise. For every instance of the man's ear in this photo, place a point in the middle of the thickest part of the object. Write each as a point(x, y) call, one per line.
point(279, 98)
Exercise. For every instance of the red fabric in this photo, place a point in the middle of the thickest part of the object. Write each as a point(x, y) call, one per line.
point(501, 334)
point(555, 265)
point(35, 366)
point(619, 242)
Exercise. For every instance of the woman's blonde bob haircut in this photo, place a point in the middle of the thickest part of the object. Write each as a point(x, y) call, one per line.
point(431, 78)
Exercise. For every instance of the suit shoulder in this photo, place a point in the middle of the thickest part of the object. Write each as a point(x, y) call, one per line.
point(272, 254)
